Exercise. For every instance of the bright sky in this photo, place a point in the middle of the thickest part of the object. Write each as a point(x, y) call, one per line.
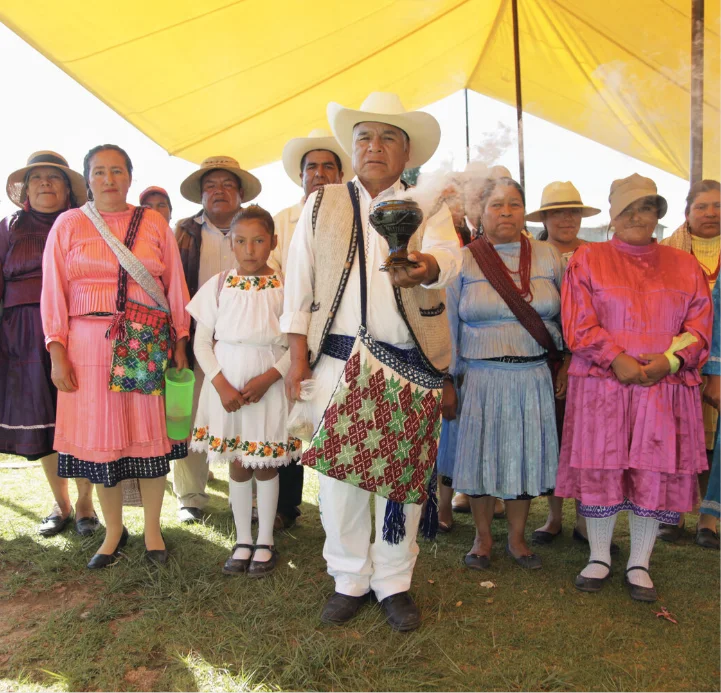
point(46, 109)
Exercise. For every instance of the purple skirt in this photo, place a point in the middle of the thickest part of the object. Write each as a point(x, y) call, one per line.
point(27, 395)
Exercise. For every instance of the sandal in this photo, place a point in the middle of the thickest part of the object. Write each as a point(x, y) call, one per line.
point(444, 527)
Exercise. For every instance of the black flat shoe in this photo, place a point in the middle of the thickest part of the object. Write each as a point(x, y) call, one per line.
point(402, 613)
point(236, 566)
point(157, 556)
point(259, 569)
point(637, 592)
point(54, 524)
point(190, 516)
point(530, 561)
point(475, 561)
point(104, 560)
point(670, 533)
point(87, 526)
point(541, 538)
point(707, 538)
point(341, 608)
point(591, 584)
point(615, 548)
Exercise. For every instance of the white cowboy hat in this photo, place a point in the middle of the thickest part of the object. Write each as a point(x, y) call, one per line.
point(558, 195)
point(422, 129)
point(190, 187)
point(297, 148)
point(16, 180)
point(625, 191)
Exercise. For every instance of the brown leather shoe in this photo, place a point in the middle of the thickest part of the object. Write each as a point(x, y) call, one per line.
point(259, 569)
point(461, 503)
point(402, 613)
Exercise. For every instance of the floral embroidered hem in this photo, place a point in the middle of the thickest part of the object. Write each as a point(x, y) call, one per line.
point(248, 452)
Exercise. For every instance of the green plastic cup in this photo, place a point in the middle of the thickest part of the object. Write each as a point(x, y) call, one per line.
point(179, 386)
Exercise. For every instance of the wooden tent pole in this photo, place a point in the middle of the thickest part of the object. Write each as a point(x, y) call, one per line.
point(697, 45)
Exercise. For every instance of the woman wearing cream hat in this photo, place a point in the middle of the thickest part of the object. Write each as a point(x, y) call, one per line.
point(637, 317)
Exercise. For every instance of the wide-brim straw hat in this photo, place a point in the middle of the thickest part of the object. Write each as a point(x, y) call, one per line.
point(422, 129)
point(297, 148)
point(559, 195)
point(190, 188)
point(625, 191)
point(16, 180)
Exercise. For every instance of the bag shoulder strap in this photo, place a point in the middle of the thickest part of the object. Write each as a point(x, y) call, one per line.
point(127, 260)
point(358, 230)
point(525, 313)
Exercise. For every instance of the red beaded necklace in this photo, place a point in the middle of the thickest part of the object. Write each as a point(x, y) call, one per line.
point(524, 267)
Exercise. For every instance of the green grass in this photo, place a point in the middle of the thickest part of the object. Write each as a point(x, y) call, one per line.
point(188, 627)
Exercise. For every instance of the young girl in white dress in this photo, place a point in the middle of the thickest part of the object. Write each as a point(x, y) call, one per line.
point(243, 410)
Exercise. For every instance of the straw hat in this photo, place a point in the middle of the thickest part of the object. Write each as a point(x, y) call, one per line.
point(190, 187)
point(558, 195)
point(422, 129)
point(625, 191)
point(153, 190)
point(297, 148)
point(16, 179)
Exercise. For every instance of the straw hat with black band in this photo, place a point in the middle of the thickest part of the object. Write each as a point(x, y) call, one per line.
point(560, 195)
point(16, 180)
point(191, 188)
point(422, 129)
point(318, 139)
point(626, 191)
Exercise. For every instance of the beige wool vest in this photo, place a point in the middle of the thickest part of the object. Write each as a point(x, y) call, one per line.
point(334, 247)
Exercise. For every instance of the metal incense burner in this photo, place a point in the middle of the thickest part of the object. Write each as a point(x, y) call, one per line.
point(396, 221)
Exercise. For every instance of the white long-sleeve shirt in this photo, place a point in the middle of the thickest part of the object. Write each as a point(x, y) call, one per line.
point(285, 223)
point(384, 320)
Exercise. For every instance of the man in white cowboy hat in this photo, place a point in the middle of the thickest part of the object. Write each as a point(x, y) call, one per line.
point(311, 162)
point(322, 313)
point(220, 185)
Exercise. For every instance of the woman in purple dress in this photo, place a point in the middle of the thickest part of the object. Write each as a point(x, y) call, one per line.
point(42, 189)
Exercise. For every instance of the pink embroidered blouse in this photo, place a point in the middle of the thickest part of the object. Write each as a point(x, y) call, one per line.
point(80, 272)
point(618, 298)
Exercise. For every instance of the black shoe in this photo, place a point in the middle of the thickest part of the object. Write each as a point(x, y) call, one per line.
point(476, 561)
point(670, 533)
point(87, 526)
point(615, 548)
point(707, 538)
point(157, 556)
point(103, 560)
point(637, 592)
point(189, 515)
point(341, 608)
point(54, 524)
point(530, 561)
point(236, 566)
point(541, 538)
point(591, 584)
point(402, 613)
point(259, 569)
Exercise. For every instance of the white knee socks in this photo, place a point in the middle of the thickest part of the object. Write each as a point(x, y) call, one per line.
point(643, 537)
point(267, 508)
point(241, 498)
point(600, 533)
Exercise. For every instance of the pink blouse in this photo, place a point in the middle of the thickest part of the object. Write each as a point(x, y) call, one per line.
point(80, 272)
point(618, 298)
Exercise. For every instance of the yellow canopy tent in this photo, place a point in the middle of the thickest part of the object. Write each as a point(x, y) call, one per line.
point(241, 77)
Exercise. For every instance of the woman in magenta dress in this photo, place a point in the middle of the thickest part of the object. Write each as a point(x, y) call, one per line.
point(637, 317)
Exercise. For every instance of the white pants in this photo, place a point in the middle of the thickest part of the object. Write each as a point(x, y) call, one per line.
point(190, 475)
point(355, 564)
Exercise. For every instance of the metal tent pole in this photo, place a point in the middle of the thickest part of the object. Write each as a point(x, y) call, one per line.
point(519, 101)
point(697, 41)
point(468, 131)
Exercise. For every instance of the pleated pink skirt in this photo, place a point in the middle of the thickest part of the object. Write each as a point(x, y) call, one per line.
point(644, 444)
point(96, 425)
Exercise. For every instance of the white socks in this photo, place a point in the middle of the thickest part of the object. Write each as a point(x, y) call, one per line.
point(600, 533)
point(267, 509)
point(643, 537)
point(240, 494)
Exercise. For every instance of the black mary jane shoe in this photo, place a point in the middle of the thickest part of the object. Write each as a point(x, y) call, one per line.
point(87, 526)
point(577, 536)
point(236, 566)
point(104, 560)
point(54, 524)
point(475, 561)
point(402, 614)
point(637, 592)
point(259, 569)
point(591, 584)
point(543, 538)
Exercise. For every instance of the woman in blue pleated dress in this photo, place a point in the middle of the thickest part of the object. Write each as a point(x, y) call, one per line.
point(502, 395)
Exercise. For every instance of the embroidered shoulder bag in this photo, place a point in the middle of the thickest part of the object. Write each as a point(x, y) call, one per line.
point(142, 335)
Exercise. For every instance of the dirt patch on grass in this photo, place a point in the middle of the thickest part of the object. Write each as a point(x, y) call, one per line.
point(142, 678)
